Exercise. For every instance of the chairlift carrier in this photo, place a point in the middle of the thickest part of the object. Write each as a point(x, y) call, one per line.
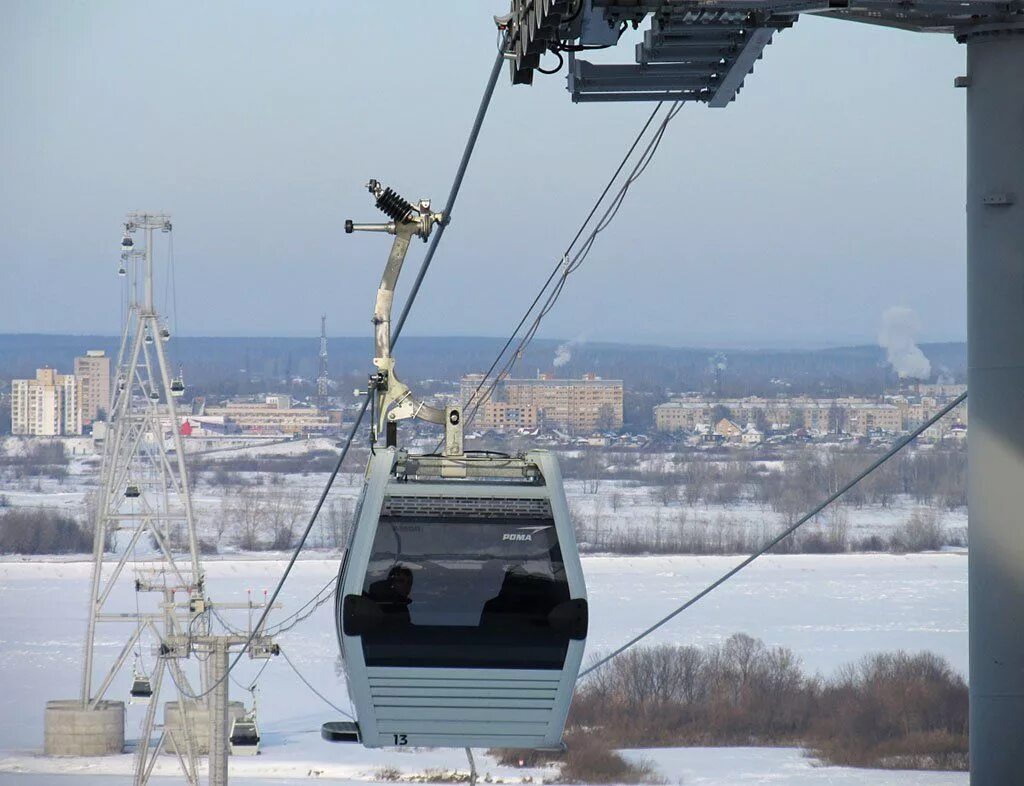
point(461, 605)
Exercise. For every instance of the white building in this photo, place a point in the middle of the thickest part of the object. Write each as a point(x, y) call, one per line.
point(93, 371)
point(49, 405)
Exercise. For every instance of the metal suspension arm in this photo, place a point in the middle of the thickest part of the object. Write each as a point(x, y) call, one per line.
point(395, 401)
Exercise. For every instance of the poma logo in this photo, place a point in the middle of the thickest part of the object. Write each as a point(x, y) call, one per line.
point(524, 533)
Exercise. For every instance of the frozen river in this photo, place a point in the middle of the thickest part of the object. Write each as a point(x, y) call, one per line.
point(828, 609)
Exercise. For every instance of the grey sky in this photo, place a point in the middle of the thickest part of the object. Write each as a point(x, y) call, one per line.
point(831, 190)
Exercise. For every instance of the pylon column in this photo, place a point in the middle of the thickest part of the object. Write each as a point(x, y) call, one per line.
point(995, 336)
point(219, 713)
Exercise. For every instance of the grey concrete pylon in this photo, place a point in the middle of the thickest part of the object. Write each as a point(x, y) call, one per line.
point(995, 336)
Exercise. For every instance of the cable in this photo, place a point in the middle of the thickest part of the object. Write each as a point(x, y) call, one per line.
point(453, 194)
point(424, 266)
point(255, 680)
point(291, 621)
point(557, 68)
point(785, 533)
point(576, 237)
point(569, 266)
point(306, 682)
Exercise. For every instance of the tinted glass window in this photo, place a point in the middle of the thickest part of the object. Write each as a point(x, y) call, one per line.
point(466, 591)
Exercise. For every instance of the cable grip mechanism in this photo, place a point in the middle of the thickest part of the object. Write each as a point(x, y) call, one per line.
point(414, 219)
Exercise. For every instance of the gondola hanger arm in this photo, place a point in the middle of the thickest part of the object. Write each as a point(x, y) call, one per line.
point(395, 401)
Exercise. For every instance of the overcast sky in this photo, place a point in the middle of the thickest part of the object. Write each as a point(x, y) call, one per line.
point(830, 191)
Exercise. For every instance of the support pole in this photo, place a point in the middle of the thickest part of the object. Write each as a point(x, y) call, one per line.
point(995, 333)
point(219, 714)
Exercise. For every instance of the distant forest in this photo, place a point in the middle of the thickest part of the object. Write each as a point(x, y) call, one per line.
point(234, 366)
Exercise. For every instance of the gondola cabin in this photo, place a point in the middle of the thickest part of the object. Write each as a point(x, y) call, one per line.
point(461, 610)
point(141, 691)
point(244, 739)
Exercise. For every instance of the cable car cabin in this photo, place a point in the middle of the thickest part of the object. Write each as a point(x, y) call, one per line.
point(141, 690)
point(461, 611)
point(177, 387)
point(132, 491)
point(244, 739)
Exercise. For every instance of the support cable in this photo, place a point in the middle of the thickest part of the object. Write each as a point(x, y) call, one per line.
point(568, 249)
point(566, 265)
point(467, 154)
point(784, 534)
point(309, 685)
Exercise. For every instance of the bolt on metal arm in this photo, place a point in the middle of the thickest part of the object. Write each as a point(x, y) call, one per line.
point(394, 399)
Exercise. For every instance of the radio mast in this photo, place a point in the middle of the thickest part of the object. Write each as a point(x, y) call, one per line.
point(321, 377)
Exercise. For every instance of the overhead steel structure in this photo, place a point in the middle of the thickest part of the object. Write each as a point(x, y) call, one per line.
point(144, 512)
point(704, 51)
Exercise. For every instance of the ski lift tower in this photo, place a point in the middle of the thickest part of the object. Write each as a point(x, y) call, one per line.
point(143, 510)
point(703, 51)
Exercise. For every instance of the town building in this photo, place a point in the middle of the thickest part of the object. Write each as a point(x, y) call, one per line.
point(843, 415)
point(94, 372)
point(276, 414)
point(49, 405)
point(501, 415)
point(581, 406)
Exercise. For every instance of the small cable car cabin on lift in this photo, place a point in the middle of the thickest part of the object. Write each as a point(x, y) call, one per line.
point(462, 608)
point(244, 739)
point(142, 689)
point(461, 605)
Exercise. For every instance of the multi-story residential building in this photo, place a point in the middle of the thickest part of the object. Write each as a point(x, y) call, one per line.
point(49, 405)
point(849, 415)
point(94, 372)
point(582, 405)
point(857, 416)
point(501, 415)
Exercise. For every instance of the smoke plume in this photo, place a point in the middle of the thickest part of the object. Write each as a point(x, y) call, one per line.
point(897, 336)
point(563, 354)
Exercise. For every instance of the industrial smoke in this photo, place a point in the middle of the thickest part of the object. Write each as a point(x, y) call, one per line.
point(897, 336)
point(563, 354)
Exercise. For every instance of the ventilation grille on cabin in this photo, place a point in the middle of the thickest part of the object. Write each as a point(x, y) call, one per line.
point(481, 507)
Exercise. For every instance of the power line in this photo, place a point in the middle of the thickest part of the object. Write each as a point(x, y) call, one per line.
point(784, 534)
point(467, 154)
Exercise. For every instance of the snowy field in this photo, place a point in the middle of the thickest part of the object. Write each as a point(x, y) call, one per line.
point(601, 509)
point(828, 609)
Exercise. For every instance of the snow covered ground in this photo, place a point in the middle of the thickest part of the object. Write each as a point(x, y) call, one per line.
point(600, 509)
point(828, 609)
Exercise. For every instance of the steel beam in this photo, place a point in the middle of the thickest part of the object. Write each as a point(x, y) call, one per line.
point(995, 354)
point(741, 66)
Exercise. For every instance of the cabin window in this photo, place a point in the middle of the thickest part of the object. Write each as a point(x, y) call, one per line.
point(466, 591)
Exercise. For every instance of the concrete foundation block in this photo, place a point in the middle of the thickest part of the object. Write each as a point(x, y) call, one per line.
point(71, 730)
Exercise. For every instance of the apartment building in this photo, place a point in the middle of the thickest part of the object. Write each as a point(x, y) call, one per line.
point(94, 372)
point(857, 416)
point(49, 405)
point(581, 406)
